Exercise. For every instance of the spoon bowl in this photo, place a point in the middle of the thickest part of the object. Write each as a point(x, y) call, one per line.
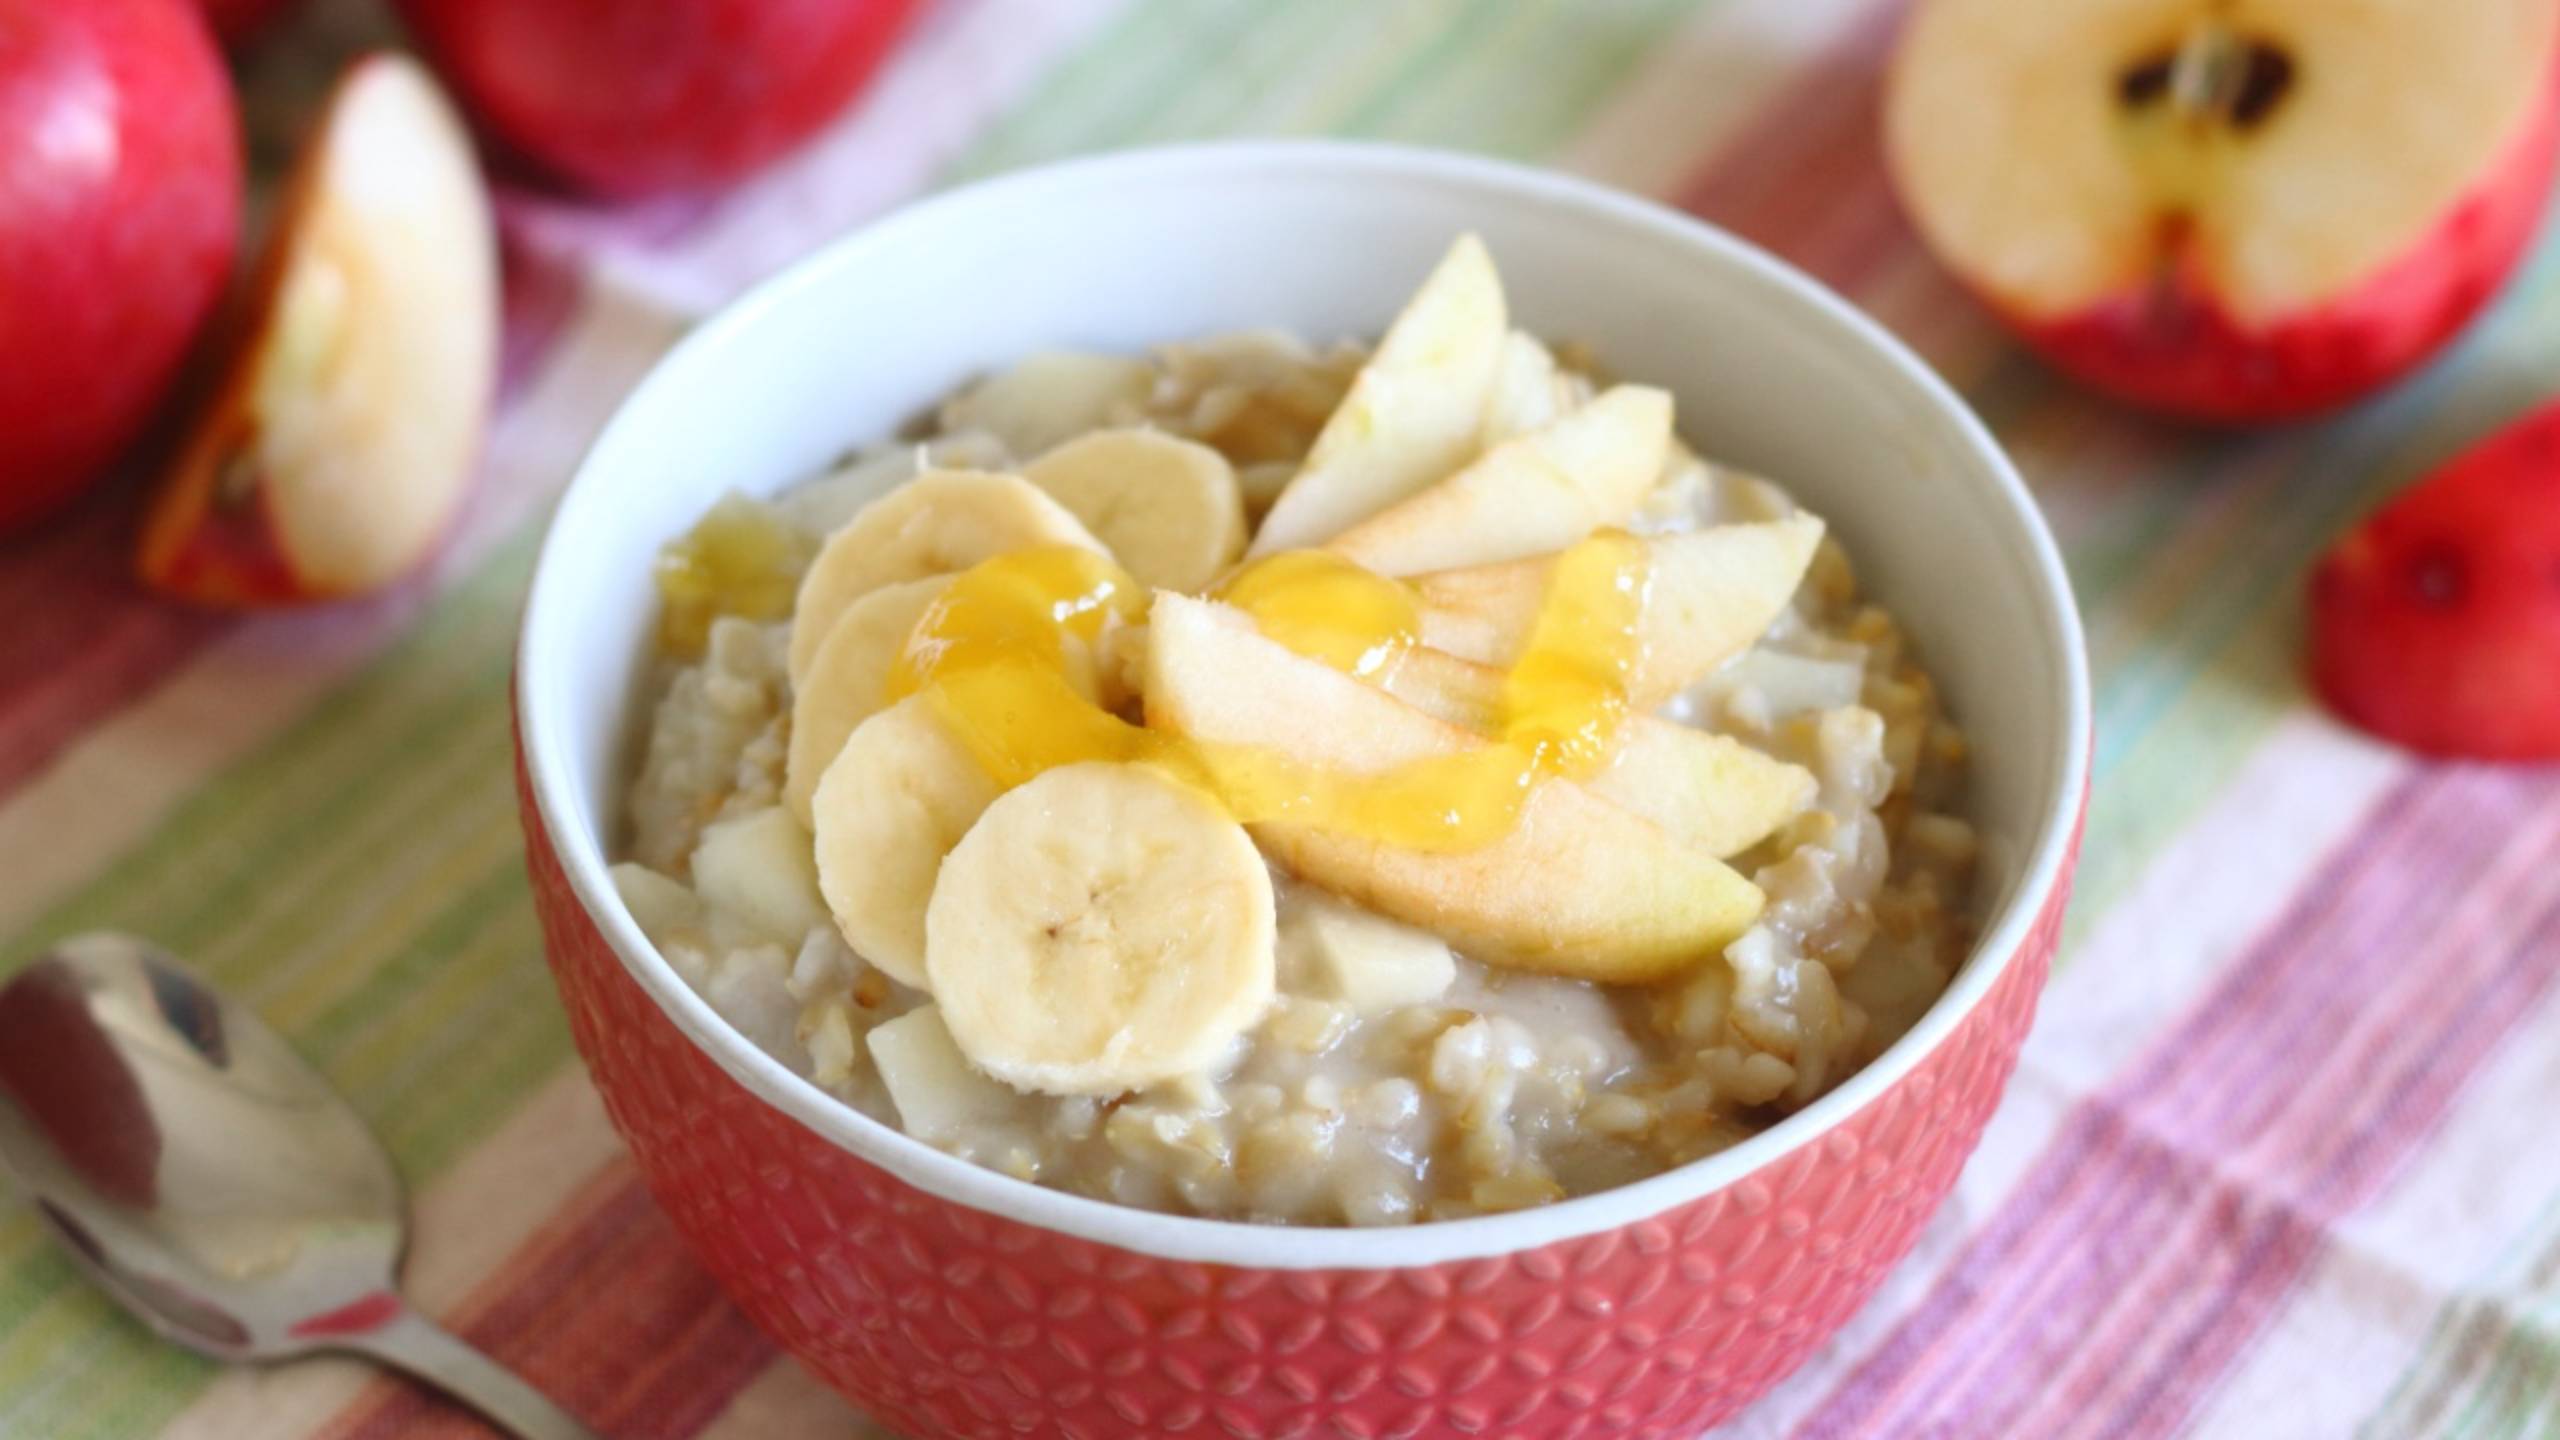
point(210, 1180)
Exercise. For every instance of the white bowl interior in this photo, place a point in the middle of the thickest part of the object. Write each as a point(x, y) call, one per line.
point(1771, 373)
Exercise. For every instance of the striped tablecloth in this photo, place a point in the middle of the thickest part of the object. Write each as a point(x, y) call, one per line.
point(2283, 1157)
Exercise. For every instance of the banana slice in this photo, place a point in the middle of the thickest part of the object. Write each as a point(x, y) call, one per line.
point(940, 522)
point(1169, 509)
point(1103, 927)
point(1413, 413)
point(847, 681)
point(898, 796)
point(1042, 399)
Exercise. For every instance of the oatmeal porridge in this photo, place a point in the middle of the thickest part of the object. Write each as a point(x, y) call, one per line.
point(1324, 786)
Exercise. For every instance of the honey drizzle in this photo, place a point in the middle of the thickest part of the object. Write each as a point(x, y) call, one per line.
point(994, 652)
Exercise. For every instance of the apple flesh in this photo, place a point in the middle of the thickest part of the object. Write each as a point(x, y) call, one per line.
point(628, 99)
point(2240, 211)
point(120, 194)
point(342, 437)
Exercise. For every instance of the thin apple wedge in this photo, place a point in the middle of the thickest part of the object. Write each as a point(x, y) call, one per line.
point(1578, 887)
point(1710, 595)
point(1710, 792)
point(1538, 493)
point(1413, 412)
point(1530, 391)
point(339, 445)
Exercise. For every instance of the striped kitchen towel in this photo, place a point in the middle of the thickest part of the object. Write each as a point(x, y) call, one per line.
point(2280, 1159)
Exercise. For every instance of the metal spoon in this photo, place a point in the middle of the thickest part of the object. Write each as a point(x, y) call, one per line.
point(212, 1182)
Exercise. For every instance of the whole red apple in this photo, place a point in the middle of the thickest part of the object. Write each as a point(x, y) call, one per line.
point(627, 99)
point(2232, 210)
point(120, 193)
point(2436, 622)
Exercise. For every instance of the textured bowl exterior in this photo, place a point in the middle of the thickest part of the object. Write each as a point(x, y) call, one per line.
point(949, 1322)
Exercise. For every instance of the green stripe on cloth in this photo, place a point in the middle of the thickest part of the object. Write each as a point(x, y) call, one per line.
point(2194, 626)
point(2491, 1362)
point(358, 879)
point(1491, 75)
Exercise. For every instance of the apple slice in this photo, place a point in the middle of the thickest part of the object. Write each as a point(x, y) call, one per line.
point(1540, 492)
point(338, 446)
point(1710, 594)
point(1705, 790)
point(1578, 887)
point(1531, 390)
point(1413, 412)
point(2230, 209)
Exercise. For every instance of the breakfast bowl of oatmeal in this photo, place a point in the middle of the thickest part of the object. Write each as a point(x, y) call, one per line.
point(1298, 789)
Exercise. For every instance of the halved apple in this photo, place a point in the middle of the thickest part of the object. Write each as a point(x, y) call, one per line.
point(1709, 594)
point(1578, 887)
point(340, 442)
point(2228, 209)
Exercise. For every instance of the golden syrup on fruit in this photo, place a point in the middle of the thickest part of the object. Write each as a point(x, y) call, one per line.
point(740, 559)
point(1329, 609)
point(1566, 695)
point(1007, 653)
point(999, 653)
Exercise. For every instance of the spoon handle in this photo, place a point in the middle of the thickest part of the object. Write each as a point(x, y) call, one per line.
point(428, 1351)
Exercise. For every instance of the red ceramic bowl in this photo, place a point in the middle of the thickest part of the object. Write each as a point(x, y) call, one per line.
point(951, 1301)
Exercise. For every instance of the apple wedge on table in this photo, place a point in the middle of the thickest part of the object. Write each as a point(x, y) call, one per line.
point(1538, 493)
point(1578, 887)
point(1413, 413)
point(1710, 593)
point(343, 436)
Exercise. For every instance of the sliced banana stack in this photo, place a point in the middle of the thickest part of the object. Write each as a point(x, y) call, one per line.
point(1169, 508)
point(1101, 928)
point(847, 681)
point(941, 522)
point(899, 795)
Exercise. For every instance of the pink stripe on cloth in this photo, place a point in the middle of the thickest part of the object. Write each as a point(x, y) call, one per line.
point(2173, 1212)
point(2014, 1267)
point(84, 637)
point(607, 1313)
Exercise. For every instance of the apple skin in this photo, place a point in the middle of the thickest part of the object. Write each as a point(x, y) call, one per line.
point(2179, 352)
point(236, 21)
point(626, 100)
point(120, 198)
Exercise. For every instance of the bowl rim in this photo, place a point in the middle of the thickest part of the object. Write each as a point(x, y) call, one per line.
point(1262, 1245)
